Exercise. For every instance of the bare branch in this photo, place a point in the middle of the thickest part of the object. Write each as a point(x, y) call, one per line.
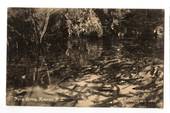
point(46, 24)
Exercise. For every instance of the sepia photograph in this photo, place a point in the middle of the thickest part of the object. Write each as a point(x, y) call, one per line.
point(85, 57)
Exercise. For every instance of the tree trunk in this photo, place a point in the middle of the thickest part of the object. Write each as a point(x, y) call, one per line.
point(40, 56)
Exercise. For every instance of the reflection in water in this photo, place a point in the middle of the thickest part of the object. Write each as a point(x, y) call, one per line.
point(94, 49)
point(91, 75)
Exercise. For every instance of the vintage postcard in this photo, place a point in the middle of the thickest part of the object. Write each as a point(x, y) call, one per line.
point(85, 57)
